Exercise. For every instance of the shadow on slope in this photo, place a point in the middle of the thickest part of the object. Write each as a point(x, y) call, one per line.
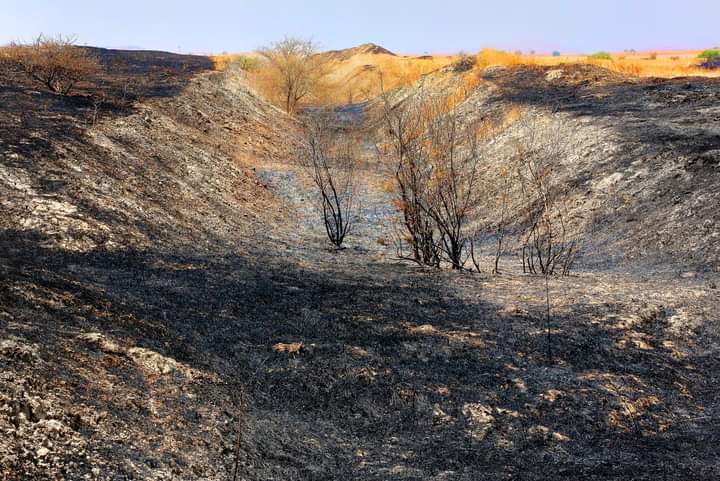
point(142, 353)
point(661, 113)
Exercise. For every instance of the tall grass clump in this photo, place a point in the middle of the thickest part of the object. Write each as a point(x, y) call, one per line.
point(488, 57)
point(224, 61)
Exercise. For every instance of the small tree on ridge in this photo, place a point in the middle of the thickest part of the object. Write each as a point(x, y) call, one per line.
point(295, 69)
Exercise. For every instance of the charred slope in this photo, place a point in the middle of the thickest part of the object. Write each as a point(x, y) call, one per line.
point(143, 284)
point(168, 169)
point(648, 165)
point(91, 195)
point(644, 170)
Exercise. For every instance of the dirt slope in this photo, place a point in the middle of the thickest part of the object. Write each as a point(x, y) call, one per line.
point(366, 48)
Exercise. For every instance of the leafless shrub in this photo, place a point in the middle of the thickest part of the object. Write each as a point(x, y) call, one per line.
point(550, 244)
point(503, 199)
point(466, 63)
point(497, 198)
point(55, 62)
point(239, 428)
point(436, 165)
point(329, 154)
point(403, 135)
point(112, 99)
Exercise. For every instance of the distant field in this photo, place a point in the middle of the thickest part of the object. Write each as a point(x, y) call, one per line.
point(408, 68)
point(358, 78)
point(353, 75)
point(361, 73)
point(666, 64)
point(223, 60)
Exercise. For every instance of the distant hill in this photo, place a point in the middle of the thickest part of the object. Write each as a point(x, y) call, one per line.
point(356, 71)
point(365, 48)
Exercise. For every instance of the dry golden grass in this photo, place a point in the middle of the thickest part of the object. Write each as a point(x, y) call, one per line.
point(362, 77)
point(489, 57)
point(221, 61)
point(665, 64)
point(354, 78)
point(512, 115)
point(458, 93)
point(359, 76)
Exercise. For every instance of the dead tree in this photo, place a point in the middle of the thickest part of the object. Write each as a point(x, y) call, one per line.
point(497, 200)
point(329, 155)
point(451, 148)
point(501, 226)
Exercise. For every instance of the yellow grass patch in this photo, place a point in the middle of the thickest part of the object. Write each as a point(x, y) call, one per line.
point(221, 62)
point(665, 64)
point(489, 57)
point(364, 76)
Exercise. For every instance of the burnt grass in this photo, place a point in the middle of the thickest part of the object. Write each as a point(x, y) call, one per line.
point(155, 360)
point(402, 374)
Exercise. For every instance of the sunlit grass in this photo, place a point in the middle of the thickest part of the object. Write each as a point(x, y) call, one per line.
point(363, 76)
point(640, 64)
point(221, 62)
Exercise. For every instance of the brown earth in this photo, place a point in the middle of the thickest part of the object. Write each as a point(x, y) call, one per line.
point(153, 257)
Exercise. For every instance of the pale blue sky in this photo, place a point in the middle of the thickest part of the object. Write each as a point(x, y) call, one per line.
point(404, 26)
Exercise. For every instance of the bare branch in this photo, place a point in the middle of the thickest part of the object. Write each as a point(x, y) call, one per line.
point(329, 154)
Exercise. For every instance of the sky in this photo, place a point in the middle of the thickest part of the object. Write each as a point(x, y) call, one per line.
point(420, 26)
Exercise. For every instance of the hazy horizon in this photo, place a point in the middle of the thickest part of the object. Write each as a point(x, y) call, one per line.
point(405, 27)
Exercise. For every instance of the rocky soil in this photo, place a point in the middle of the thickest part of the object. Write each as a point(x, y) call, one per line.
point(151, 260)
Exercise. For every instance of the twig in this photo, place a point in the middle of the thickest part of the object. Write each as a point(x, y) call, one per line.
point(547, 320)
point(238, 433)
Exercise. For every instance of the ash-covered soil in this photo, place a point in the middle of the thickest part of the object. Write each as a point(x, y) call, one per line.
point(374, 219)
point(147, 272)
point(645, 167)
